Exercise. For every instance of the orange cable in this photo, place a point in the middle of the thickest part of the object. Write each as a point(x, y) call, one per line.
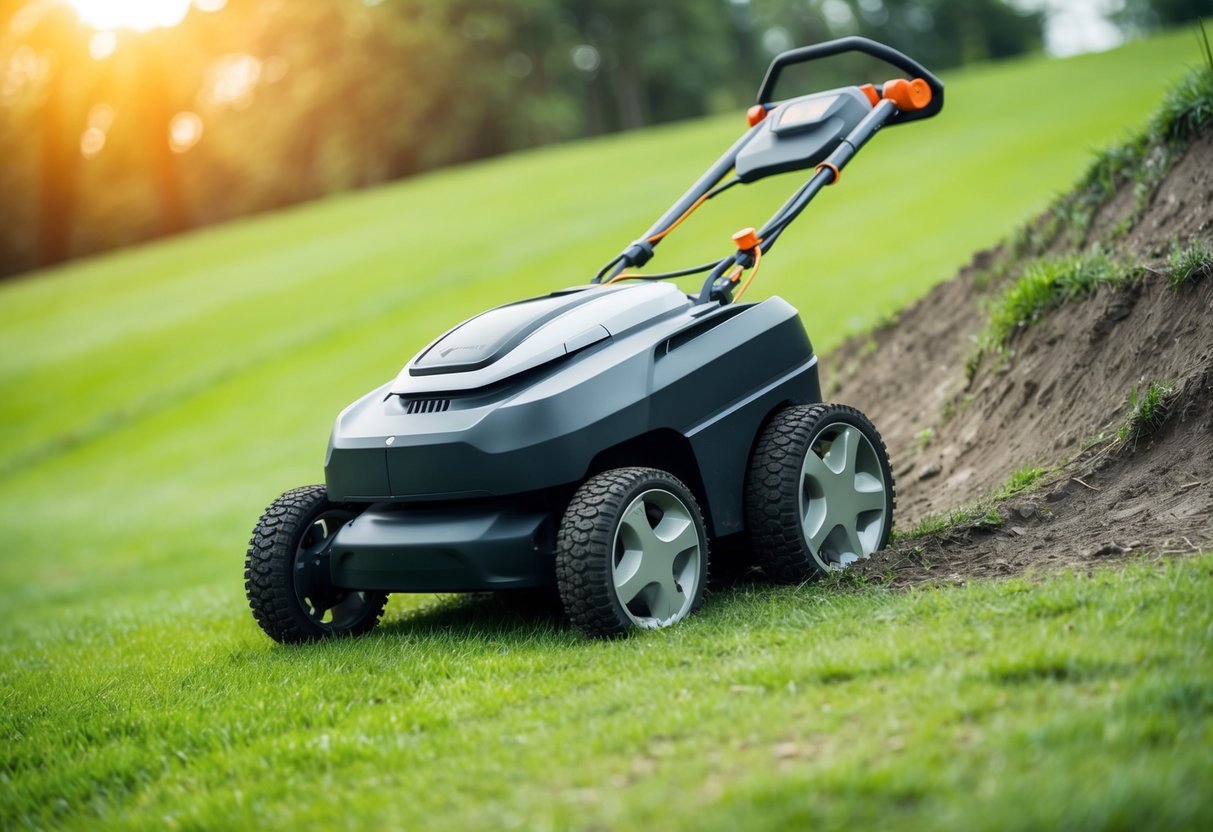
point(621, 276)
point(661, 234)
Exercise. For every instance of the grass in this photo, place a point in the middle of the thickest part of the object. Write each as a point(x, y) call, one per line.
point(1044, 285)
point(1083, 701)
point(982, 512)
point(1141, 157)
point(1147, 411)
point(154, 400)
point(1190, 264)
point(1021, 480)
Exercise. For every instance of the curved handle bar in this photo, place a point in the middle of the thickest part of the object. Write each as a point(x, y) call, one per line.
point(857, 44)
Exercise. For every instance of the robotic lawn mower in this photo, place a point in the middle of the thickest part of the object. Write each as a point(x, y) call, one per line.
point(598, 438)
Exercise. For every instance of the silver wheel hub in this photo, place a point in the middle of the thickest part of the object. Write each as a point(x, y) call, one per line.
point(656, 564)
point(842, 497)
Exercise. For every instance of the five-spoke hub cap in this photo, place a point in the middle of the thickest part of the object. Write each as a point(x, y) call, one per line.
point(656, 564)
point(843, 494)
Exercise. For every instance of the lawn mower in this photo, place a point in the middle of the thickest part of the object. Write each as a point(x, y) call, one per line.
point(597, 439)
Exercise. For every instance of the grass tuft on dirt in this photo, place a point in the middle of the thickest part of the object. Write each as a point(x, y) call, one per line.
point(1147, 411)
point(1190, 264)
point(1044, 285)
point(981, 513)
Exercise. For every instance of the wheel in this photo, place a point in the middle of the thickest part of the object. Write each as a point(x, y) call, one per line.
point(631, 552)
point(286, 572)
point(819, 493)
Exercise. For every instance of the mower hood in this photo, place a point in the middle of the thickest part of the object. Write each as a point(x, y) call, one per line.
point(517, 337)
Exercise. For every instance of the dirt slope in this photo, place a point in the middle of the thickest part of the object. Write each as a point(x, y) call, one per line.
point(1064, 383)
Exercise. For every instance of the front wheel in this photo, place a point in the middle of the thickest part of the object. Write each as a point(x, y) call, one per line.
point(819, 494)
point(286, 572)
point(631, 552)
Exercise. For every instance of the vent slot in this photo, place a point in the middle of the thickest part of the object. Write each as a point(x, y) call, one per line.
point(426, 405)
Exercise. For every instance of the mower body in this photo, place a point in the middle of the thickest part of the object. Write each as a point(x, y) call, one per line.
point(464, 463)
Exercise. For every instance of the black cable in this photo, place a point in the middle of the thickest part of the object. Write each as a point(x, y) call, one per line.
point(598, 277)
point(719, 189)
point(680, 272)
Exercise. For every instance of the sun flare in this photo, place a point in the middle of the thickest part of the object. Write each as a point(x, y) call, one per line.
point(139, 15)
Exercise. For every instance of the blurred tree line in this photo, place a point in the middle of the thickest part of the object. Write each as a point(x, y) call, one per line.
point(112, 137)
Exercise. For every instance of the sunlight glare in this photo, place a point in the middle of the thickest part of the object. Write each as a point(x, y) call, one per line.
point(184, 131)
point(140, 15)
point(102, 44)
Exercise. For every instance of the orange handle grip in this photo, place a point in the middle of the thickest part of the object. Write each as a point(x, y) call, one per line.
point(907, 95)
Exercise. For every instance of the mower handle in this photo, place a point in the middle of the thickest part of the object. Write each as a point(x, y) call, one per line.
point(869, 47)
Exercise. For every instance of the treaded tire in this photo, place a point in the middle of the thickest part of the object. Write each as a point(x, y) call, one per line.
point(589, 546)
point(777, 495)
point(269, 571)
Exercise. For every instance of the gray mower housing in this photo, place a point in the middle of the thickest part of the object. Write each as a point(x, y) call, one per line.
point(469, 456)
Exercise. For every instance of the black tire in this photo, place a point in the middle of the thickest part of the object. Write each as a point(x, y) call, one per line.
point(292, 598)
point(607, 512)
point(784, 498)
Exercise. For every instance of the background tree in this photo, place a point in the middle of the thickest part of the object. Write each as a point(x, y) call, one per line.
point(111, 138)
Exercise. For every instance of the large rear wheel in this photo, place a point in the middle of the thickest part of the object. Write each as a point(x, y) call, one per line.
point(819, 495)
point(286, 572)
point(631, 552)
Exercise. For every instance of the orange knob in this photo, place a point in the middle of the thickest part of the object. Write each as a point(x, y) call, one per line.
point(755, 114)
point(746, 239)
point(908, 95)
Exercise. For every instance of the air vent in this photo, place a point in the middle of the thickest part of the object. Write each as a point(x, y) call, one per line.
point(426, 405)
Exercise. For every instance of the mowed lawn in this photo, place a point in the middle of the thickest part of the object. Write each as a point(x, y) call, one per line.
point(154, 400)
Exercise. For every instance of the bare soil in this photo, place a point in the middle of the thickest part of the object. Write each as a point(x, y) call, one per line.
point(1055, 402)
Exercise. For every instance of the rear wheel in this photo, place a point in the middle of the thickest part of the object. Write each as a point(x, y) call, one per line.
point(631, 552)
point(819, 494)
point(286, 572)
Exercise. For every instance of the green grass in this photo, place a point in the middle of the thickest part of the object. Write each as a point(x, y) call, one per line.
point(1147, 411)
point(154, 400)
point(980, 512)
point(1022, 480)
point(1190, 264)
point(1077, 702)
point(1046, 284)
point(1043, 285)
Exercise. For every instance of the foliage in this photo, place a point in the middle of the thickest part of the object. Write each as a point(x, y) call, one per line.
point(1022, 480)
point(1189, 105)
point(1147, 411)
point(1045, 284)
point(981, 513)
point(1191, 263)
point(288, 102)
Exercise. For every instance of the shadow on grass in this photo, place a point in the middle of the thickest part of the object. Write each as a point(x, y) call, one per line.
point(512, 614)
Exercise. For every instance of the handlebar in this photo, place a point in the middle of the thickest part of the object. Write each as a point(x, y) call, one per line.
point(879, 51)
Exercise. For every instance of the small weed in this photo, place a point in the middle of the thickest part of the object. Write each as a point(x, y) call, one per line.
point(981, 514)
point(841, 579)
point(1021, 480)
point(924, 437)
point(1121, 228)
point(954, 407)
point(990, 519)
point(1147, 411)
point(1191, 264)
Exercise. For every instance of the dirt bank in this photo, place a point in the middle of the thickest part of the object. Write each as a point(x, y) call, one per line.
point(1060, 387)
